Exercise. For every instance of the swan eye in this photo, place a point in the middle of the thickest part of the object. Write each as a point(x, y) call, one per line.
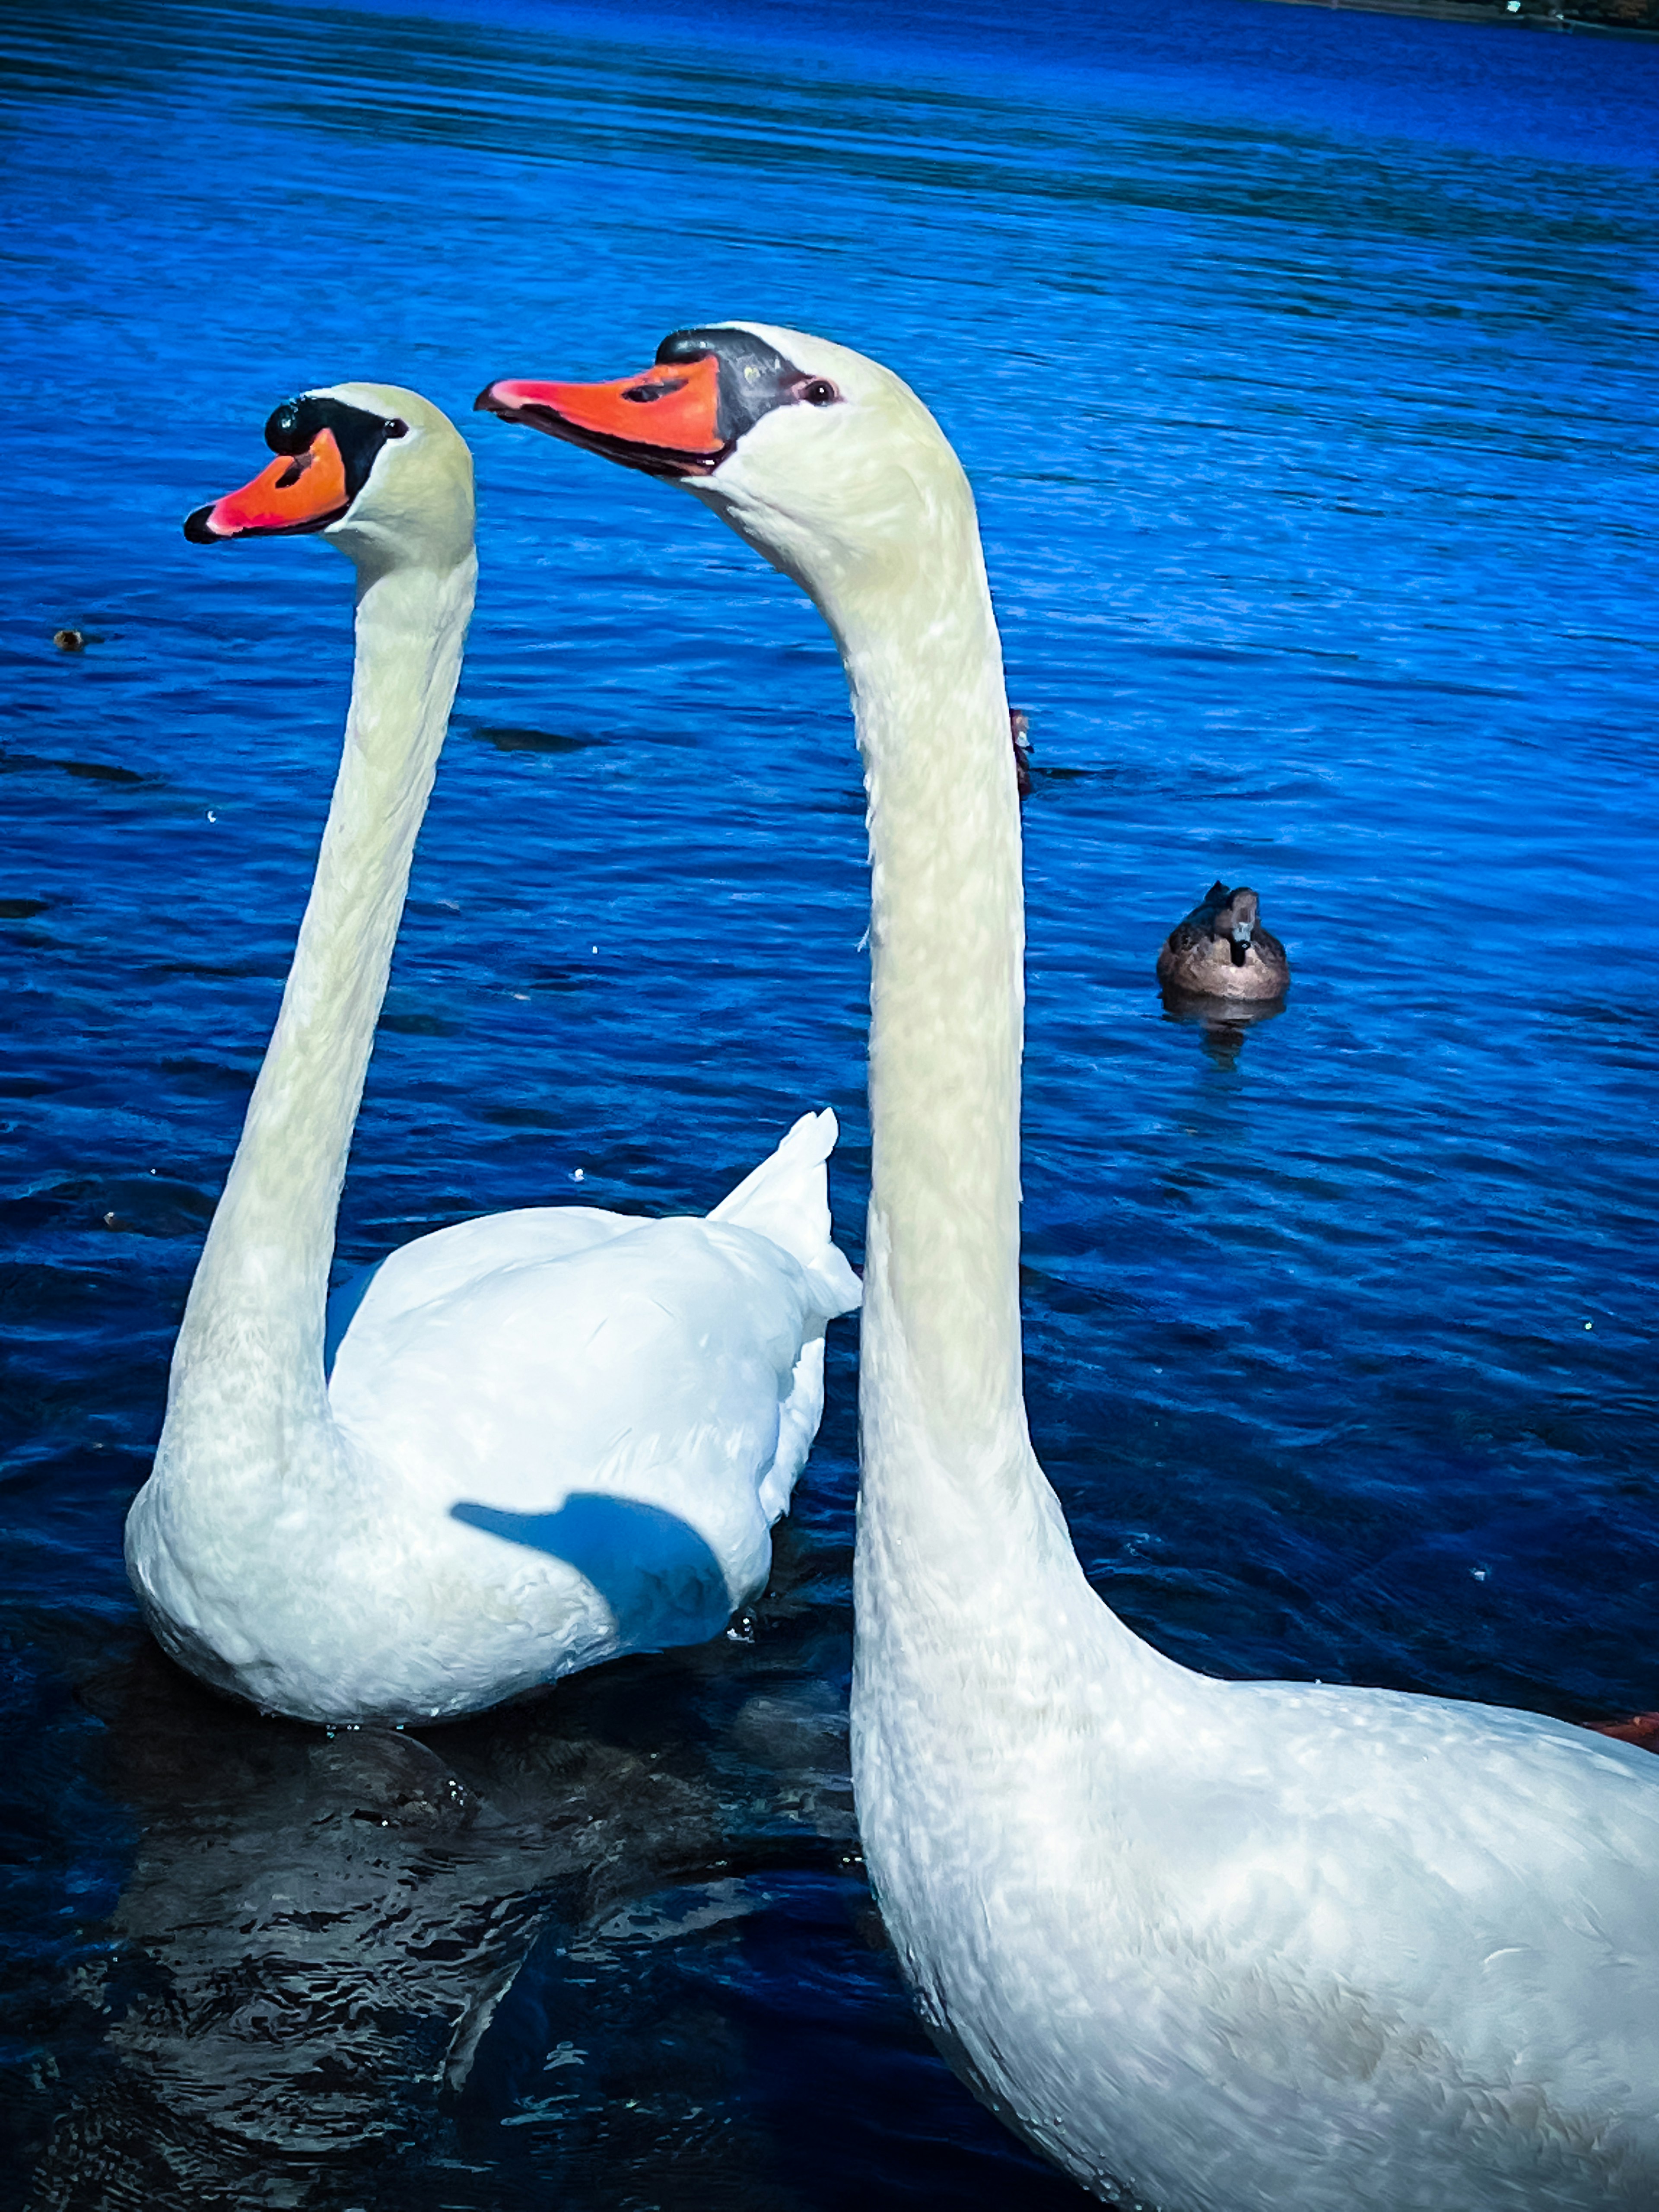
point(280, 431)
point(394, 429)
point(820, 392)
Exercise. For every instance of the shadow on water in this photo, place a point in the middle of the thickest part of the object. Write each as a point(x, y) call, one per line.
point(509, 739)
point(1221, 1022)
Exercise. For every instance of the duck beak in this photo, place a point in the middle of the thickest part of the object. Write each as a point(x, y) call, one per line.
point(298, 492)
point(665, 422)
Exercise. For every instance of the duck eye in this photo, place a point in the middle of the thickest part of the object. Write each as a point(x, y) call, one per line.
point(820, 392)
point(394, 429)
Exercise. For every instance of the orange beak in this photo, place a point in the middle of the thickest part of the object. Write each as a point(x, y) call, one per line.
point(665, 422)
point(298, 492)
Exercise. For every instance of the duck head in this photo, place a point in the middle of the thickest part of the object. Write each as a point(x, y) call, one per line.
point(1235, 920)
point(379, 471)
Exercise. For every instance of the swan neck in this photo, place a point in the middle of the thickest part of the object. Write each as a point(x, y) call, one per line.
point(257, 1304)
point(973, 1613)
point(924, 664)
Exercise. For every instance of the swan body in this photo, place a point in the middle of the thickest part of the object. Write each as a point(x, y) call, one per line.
point(1221, 950)
point(519, 1445)
point(1210, 1945)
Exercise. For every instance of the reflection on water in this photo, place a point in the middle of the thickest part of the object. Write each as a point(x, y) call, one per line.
point(595, 1942)
point(1303, 363)
point(1221, 1022)
point(310, 1942)
point(317, 1930)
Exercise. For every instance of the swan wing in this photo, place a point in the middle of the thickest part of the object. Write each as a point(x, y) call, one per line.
point(576, 1456)
point(787, 1198)
point(1278, 1945)
point(446, 1259)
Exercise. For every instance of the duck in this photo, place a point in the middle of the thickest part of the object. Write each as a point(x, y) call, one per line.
point(1019, 729)
point(523, 1443)
point(1221, 950)
point(1209, 1945)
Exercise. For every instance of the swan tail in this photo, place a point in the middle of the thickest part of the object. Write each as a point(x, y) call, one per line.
point(787, 1198)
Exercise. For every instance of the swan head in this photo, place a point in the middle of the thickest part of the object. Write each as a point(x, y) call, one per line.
point(379, 471)
point(825, 461)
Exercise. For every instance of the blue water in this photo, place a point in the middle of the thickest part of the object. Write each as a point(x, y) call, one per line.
point(1303, 363)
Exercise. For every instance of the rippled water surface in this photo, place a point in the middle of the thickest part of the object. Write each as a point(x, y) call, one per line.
point(1302, 361)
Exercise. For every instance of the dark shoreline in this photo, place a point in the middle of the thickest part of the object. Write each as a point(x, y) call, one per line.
point(1530, 17)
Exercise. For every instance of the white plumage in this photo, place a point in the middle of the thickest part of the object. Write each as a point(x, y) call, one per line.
point(524, 1443)
point(1212, 1947)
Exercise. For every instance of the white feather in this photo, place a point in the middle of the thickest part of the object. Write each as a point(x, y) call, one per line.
point(522, 1444)
point(1211, 1947)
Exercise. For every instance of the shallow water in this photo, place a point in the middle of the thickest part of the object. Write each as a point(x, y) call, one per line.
point(1302, 363)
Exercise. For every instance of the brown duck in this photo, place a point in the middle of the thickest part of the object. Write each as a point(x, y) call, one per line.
point(1019, 726)
point(1222, 950)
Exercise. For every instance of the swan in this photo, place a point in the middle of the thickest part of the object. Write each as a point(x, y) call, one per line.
point(1221, 950)
point(519, 1445)
point(1210, 1945)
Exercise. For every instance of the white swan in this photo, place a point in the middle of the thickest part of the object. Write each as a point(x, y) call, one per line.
point(550, 1436)
point(1212, 1947)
